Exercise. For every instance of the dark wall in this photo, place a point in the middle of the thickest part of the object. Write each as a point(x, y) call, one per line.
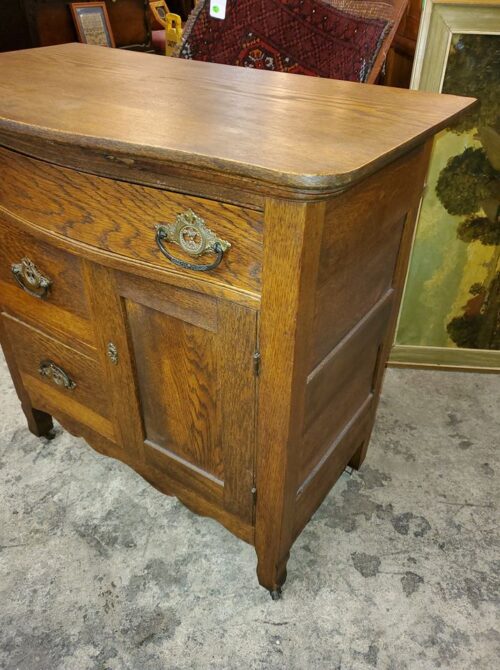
point(50, 22)
point(14, 33)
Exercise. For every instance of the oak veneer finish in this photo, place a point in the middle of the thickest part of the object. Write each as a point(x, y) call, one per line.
point(244, 390)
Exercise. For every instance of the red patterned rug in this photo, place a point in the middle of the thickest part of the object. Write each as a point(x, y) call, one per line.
point(300, 36)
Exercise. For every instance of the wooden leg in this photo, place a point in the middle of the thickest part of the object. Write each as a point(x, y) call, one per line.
point(359, 455)
point(293, 234)
point(39, 423)
point(272, 574)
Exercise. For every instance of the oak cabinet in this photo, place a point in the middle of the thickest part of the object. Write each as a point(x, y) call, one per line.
point(207, 293)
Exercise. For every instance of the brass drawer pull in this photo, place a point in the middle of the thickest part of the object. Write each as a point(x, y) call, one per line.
point(56, 374)
point(30, 279)
point(192, 235)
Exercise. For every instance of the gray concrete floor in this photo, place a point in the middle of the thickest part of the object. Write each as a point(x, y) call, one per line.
point(399, 568)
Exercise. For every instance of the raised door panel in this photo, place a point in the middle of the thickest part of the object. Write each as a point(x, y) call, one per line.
point(175, 362)
point(193, 359)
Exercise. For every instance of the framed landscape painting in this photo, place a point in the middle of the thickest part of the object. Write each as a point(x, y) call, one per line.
point(450, 315)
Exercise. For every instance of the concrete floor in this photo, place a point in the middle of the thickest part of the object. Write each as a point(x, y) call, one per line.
point(399, 569)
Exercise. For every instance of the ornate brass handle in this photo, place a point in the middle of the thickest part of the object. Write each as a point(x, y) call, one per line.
point(30, 279)
point(192, 235)
point(53, 372)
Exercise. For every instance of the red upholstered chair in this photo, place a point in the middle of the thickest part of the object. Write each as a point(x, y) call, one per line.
point(340, 39)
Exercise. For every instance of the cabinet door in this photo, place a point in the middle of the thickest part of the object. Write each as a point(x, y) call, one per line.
point(194, 365)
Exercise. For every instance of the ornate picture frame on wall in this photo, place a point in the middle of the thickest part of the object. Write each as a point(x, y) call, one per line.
point(450, 314)
point(92, 23)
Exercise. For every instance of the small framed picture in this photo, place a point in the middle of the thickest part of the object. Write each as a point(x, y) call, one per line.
point(160, 11)
point(92, 23)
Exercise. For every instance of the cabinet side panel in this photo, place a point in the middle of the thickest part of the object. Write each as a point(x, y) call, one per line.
point(342, 385)
point(366, 240)
point(361, 240)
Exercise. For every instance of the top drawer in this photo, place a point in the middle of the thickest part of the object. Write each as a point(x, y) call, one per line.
point(120, 218)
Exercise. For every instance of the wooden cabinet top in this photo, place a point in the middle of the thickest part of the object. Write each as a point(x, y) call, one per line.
point(291, 132)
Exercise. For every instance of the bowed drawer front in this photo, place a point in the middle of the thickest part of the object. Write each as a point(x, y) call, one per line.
point(121, 219)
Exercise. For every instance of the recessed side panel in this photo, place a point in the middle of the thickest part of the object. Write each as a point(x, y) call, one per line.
point(366, 241)
point(361, 240)
point(342, 385)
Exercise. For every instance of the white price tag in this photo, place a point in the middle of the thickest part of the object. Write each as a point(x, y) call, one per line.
point(218, 9)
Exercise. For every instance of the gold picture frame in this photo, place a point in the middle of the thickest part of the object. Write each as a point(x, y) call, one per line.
point(92, 23)
point(428, 321)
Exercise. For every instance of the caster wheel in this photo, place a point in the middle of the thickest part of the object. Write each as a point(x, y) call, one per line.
point(276, 595)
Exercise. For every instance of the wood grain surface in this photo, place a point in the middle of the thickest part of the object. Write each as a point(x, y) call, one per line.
point(257, 448)
point(361, 240)
point(88, 402)
point(65, 308)
point(193, 360)
point(290, 130)
point(121, 218)
point(292, 233)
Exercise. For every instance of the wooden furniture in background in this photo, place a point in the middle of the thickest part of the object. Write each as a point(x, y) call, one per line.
point(400, 56)
point(14, 32)
point(396, 11)
point(246, 387)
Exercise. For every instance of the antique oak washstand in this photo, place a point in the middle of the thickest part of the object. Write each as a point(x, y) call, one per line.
point(201, 276)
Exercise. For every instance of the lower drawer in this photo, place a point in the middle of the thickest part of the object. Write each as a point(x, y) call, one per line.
point(59, 380)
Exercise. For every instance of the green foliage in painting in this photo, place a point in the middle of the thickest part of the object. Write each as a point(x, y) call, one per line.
point(472, 70)
point(466, 180)
point(464, 330)
point(479, 326)
point(476, 288)
point(455, 280)
point(469, 184)
point(479, 228)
